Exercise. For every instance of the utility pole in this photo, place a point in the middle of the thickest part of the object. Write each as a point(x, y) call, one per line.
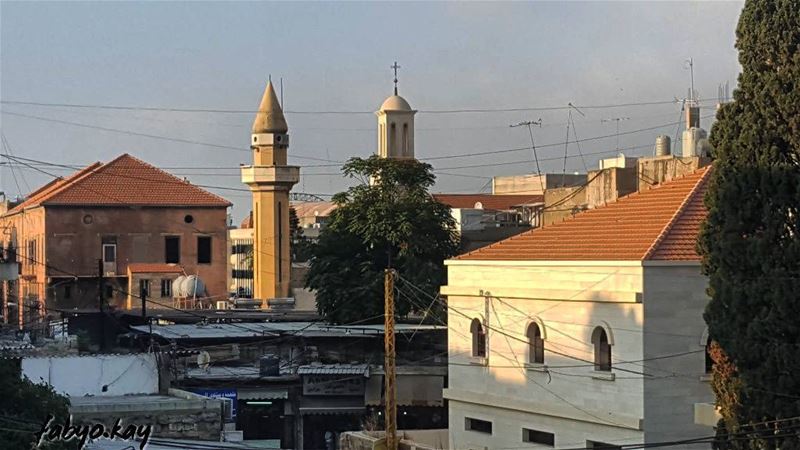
point(389, 363)
point(100, 302)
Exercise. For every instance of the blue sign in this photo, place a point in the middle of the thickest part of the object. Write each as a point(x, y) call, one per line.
point(220, 393)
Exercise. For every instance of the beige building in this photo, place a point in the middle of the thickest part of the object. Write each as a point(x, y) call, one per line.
point(585, 333)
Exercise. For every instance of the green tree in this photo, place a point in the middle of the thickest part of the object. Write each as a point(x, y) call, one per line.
point(751, 240)
point(392, 222)
point(24, 408)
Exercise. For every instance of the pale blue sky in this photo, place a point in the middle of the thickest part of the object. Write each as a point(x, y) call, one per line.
point(336, 56)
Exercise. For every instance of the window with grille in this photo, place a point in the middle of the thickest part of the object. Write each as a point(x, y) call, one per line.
point(535, 344)
point(602, 350)
point(166, 287)
point(478, 339)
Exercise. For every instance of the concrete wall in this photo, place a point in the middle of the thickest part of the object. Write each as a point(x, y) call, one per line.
point(562, 203)
point(659, 169)
point(610, 184)
point(568, 398)
point(182, 415)
point(532, 183)
point(78, 376)
point(408, 440)
point(674, 301)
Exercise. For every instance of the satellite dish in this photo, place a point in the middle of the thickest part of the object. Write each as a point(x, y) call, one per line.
point(203, 360)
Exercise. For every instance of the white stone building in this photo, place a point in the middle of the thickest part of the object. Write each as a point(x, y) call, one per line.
point(583, 333)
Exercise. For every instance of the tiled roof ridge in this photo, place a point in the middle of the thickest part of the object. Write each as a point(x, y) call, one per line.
point(99, 168)
point(54, 187)
point(563, 220)
point(87, 171)
point(701, 181)
point(145, 163)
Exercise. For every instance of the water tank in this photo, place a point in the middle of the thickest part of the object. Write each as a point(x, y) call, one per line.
point(188, 286)
point(269, 366)
point(691, 137)
point(663, 145)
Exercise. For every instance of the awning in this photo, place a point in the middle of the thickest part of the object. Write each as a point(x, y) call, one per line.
point(262, 393)
point(412, 390)
point(331, 405)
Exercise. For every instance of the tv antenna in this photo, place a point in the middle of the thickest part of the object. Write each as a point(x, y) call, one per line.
point(529, 124)
point(617, 120)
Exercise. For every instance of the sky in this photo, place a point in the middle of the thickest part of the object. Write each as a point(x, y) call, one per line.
point(334, 61)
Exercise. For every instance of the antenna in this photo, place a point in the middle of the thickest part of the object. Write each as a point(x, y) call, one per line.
point(618, 120)
point(692, 99)
point(533, 146)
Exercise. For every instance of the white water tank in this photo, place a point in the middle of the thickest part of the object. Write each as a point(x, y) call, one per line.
point(663, 145)
point(691, 138)
point(188, 286)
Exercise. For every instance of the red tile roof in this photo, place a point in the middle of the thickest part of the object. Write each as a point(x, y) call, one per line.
point(661, 223)
point(488, 201)
point(154, 268)
point(122, 182)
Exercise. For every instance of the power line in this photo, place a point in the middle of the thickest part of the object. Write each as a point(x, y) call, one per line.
point(344, 112)
point(147, 135)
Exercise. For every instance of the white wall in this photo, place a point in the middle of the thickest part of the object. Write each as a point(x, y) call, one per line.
point(674, 301)
point(78, 376)
point(569, 398)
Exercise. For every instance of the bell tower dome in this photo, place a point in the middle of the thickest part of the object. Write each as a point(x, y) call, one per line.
point(396, 126)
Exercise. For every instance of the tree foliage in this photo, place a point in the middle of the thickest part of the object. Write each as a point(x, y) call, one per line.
point(751, 240)
point(392, 221)
point(24, 408)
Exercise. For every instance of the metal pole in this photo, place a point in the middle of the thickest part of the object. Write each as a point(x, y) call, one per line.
point(101, 302)
point(389, 364)
point(143, 295)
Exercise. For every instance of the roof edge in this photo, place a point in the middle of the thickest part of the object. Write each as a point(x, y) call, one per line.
point(668, 227)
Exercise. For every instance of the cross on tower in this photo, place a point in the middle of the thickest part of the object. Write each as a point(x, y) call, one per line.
point(395, 67)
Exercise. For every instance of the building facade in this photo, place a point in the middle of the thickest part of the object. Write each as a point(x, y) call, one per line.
point(99, 221)
point(587, 333)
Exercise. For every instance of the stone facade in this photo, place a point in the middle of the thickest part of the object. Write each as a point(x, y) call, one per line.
point(647, 310)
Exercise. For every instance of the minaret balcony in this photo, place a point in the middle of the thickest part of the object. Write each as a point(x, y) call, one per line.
point(255, 175)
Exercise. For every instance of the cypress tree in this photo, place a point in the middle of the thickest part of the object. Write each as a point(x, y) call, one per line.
point(751, 239)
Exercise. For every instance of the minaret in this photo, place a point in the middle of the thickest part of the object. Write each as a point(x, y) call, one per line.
point(396, 126)
point(270, 179)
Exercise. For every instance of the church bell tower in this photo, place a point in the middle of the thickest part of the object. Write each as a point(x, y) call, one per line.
point(396, 126)
point(270, 179)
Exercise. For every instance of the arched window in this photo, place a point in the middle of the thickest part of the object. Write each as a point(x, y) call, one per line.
point(478, 339)
point(709, 361)
point(602, 350)
point(392, 140)
point(535, 344)
point(382, 139)
point(405, 139)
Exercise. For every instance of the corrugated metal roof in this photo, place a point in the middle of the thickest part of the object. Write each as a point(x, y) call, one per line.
point(334, 369)
point(261, 329)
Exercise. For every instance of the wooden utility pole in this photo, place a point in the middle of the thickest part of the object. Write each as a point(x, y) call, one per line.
point(389, 364)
